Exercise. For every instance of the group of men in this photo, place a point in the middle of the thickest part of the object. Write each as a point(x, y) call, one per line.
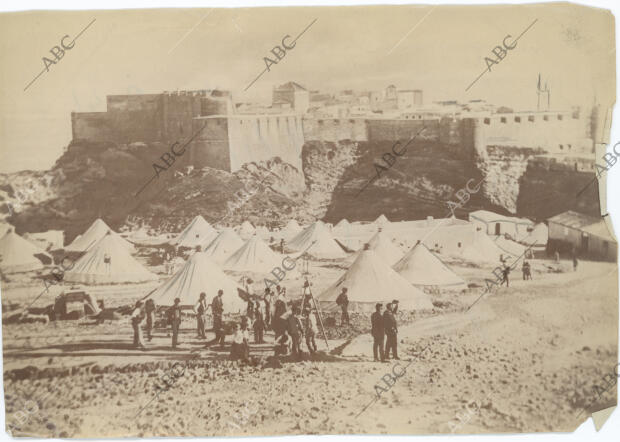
point(384, 331)
point(288, 324)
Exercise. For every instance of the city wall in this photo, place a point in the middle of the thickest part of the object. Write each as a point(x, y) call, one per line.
point(259, 137)
point(335, 129)
point(559, 132)
point(229, 140)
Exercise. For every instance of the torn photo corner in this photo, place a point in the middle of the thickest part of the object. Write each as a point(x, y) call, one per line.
point(308, 220)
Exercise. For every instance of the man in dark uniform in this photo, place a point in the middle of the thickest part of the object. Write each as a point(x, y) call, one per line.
point(378, 333)
point(295, 330)
point(343, 301)
point(201, 310)
point(174, 314)
point(267, 298)
point(391, 331)
point(217, 307)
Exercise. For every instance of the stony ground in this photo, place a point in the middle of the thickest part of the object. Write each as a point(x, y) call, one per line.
point(525, 358)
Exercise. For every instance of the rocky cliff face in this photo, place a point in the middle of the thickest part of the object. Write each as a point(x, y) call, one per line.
point(503, 168)
point(339, 180)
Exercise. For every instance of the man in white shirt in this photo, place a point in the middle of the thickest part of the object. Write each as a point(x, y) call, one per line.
point(136, 318)
point(201, 312)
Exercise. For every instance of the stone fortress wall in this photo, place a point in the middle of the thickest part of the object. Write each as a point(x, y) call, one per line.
point(227, 140)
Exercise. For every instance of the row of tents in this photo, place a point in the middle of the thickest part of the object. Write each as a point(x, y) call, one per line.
point(379, 270)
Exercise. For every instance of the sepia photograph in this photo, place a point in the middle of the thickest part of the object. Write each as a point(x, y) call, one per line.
point(307, 220)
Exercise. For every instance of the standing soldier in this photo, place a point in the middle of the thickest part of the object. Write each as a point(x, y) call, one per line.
point(575, 262)
point(278, 324)
point(295, 330)
point(378, 333)
point(149, 309)
point(258, 325)
point(505, 273)
point(310, 330)
point(136, 318)
point(343, 301)
point(174, 315)
point(217, 307)
point(201, 311)
point(391, 331)
point(267, 298)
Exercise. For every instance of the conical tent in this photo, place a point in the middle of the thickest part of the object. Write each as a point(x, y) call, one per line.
point(421, 267)
point(369, 281)
point(18, 254)
point(381, 220)
point(246, 230)
point(317, 241)
point(343, 224)
point(263, 232)
point(200, 274)
point(224, 245)
point(483, 249)
point(291, 229)
point(383, 246)
point(253, 256)
point(195, 234)
point(97, 230)
point(108, 262)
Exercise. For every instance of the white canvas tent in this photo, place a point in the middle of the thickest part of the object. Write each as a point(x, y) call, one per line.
point(18, 254)
point(369, 280)
point(483, 249)
point(254, 256)
point(200, 274)
point(108, 262)
point(382, 220)
point(343, 224)
point(318, 241)
point(383, 246)
point(225, 244)
point(246, 230)
point(195, 234)
point(422, 268)
point(97, 230)
point(291, 229)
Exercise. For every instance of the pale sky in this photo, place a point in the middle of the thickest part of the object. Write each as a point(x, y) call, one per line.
point(438, 49)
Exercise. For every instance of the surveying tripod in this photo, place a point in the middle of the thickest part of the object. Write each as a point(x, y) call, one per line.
point(307, 291)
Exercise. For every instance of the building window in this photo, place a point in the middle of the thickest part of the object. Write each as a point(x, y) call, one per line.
point(517, 119)
point(351, 121)
point(560, 117)
point(546, 117)
point(459, 245)
point(502, 119)
point(561, 147)
point(530, 118)
point(487, 121)
point(320, 121)
point(569, 146)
